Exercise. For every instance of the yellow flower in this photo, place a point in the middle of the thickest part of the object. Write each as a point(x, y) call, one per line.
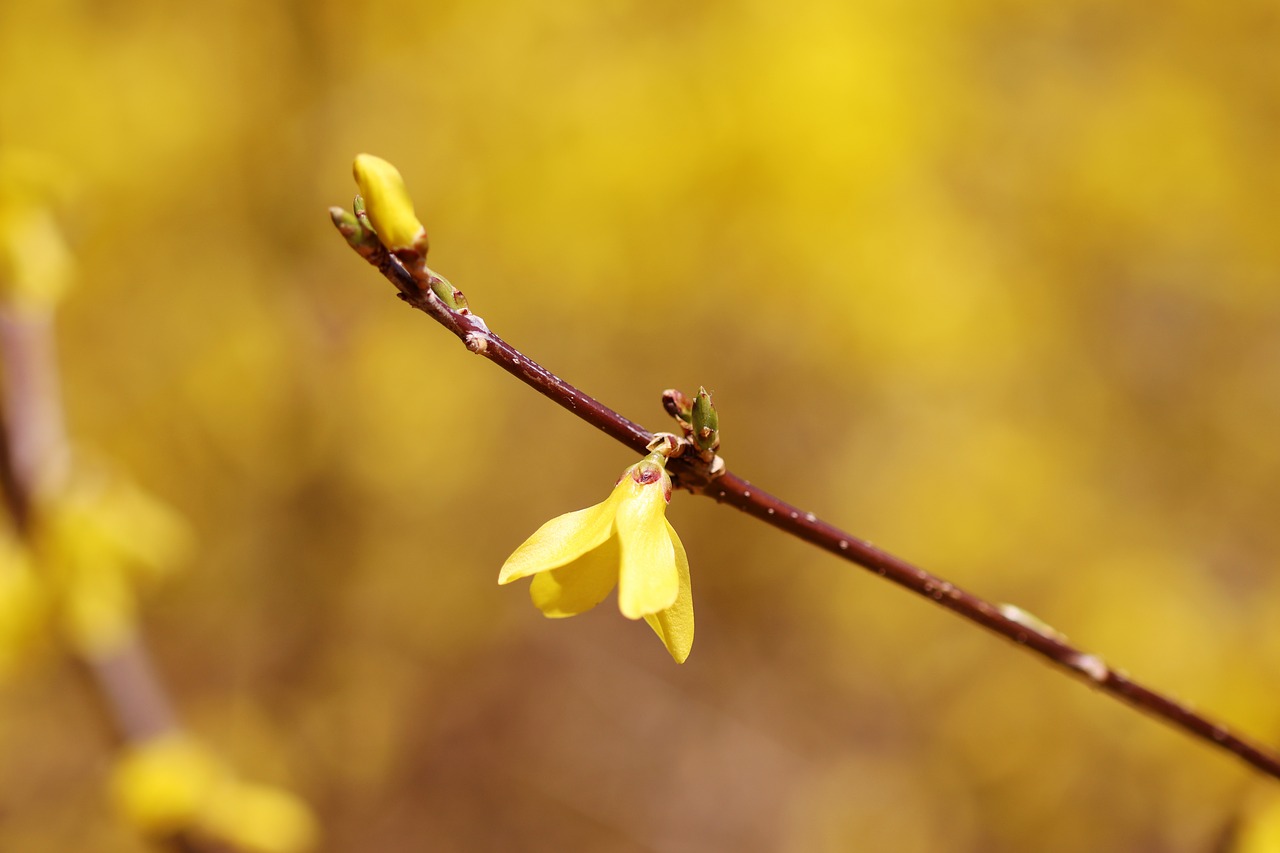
point(577, 558)
point(388, 204)
point(101, 539)
point(173, 783)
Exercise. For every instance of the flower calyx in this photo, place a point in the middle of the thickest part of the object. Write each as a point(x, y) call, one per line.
point(668, 445)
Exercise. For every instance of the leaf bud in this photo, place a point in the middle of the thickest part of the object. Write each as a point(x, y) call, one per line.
point(705, 423)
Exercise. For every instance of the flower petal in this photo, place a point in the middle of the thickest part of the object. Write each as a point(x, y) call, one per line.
point(648, 580)
point(674, 626)
point(562, 540)
point(579, 586)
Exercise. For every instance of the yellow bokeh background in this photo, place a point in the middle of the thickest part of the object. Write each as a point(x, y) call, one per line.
point(992, 283)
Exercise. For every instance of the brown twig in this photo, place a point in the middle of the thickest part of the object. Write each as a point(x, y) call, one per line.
point(36, 454)
point(691, 473)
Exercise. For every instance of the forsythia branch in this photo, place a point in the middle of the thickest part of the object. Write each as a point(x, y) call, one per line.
point(82, 540)
point(416, 286)
point(34, 442)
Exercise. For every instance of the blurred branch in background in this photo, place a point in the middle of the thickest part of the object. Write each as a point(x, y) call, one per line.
point(402, 261)
point(87, 538)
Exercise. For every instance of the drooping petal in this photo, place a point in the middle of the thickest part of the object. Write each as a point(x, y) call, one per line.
point(674, 626)
point(648, 580)
point(562, 540)
point(579, 586)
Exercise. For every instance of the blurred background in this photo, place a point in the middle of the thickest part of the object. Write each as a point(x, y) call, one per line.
point(992, 283)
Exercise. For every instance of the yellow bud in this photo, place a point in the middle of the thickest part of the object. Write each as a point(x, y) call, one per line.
point(388, 204)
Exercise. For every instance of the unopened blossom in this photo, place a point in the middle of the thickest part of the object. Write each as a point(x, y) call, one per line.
point(388, 204)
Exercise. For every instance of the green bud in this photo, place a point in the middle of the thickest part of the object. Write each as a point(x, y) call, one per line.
point(343, 220)
point(706, 423)
point(448, 294)
point(357, 233)
point(349, 226)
